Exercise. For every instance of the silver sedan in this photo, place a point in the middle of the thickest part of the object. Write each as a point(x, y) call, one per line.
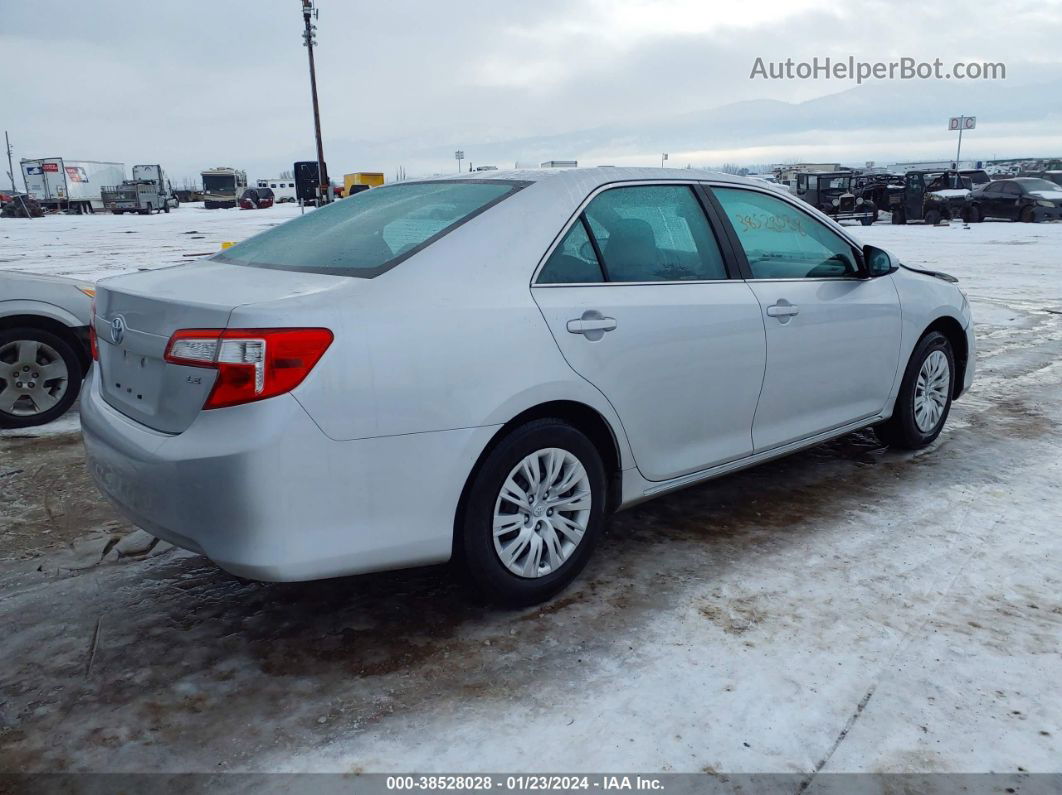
point(44, 346)
point(484, 368)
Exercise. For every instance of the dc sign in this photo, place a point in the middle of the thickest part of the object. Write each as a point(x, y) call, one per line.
point(962, 123)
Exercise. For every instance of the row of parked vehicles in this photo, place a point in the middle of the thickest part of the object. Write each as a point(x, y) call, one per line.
point(932, 196)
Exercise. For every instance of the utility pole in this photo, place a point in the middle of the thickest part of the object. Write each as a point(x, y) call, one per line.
point(10, 168)
point(309, 42)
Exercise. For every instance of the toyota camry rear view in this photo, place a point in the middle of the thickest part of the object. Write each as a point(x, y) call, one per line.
point(483, 369)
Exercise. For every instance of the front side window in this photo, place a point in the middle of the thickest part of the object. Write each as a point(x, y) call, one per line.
point(371, 232)
point(782, 242)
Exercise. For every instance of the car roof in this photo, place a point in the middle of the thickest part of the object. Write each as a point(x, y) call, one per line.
point(563, 179)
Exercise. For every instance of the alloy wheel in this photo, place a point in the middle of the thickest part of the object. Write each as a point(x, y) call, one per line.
point(33, 378)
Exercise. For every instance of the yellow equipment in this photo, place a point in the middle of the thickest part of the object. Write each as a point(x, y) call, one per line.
point(371, 178)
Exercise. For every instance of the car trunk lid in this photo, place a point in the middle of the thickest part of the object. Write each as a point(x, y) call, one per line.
point(137, 314)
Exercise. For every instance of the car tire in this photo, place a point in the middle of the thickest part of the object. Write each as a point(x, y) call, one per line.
point(547, 559)
point(932, 217)
point(1028, 215)
point(924, 399)
point(898, 217)
point(975, 215)
point(50, 349)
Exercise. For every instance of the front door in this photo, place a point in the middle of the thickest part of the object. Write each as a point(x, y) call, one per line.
point(833, 336)
point(638, 298)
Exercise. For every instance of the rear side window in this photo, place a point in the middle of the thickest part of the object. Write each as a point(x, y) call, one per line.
point(654, 233)
point(372, 231)
point(573, 261)
point(643, 233)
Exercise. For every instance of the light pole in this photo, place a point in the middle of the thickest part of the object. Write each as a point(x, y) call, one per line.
point(10, 168)
point(961, 123)
point(309, 42)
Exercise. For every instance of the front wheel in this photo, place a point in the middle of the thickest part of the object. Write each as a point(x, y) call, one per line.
point(924, 400)
point(932, 217)
point(1028, 215)
point(899, 217)
point(533, 514)
point(40, 377)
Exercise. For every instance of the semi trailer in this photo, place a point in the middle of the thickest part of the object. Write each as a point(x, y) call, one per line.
point(58, 183)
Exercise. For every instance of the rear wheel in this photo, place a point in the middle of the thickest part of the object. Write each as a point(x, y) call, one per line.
point(534, 512)
point(40, 377)
point(924, 400)
point(898, 217)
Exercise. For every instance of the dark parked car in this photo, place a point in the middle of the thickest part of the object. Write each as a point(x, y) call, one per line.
point(1028, 199)
point(931, 196)
point(831, 192)
point(256, 198)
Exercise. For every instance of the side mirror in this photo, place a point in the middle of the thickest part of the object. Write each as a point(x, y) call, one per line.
point(879, 262)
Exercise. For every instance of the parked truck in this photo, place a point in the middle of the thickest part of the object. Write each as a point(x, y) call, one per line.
point(57, 183)
point(308, 182)
point(222, 187)
point(367, 179)
point(148, 191)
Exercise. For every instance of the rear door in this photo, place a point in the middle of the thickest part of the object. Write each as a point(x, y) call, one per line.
point(639, 299)
point(833, 336)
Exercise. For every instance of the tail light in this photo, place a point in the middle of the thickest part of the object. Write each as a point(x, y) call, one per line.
point(252, 364)
point(93, 346)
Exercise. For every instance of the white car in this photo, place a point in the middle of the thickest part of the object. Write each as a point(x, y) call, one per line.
point(44, 346)
point(483, 368)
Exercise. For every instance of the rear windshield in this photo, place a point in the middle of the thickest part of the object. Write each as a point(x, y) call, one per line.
point(372, 231)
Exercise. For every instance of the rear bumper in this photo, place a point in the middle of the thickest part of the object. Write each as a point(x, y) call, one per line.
point(260, 490)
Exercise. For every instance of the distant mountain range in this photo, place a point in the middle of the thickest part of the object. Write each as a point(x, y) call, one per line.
point(897, 120)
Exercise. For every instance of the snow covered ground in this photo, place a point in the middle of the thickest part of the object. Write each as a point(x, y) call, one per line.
point(845, 609)
point(93, 246)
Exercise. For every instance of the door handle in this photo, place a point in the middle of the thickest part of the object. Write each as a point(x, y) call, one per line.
point(783, 310)
point(592, 325)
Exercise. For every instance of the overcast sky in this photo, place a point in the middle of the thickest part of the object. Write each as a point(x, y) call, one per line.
point(201, 83)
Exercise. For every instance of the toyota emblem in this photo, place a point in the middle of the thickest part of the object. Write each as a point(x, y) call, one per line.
point(117, 330)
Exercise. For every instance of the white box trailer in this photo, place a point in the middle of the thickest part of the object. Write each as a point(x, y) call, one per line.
point(62, 184)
